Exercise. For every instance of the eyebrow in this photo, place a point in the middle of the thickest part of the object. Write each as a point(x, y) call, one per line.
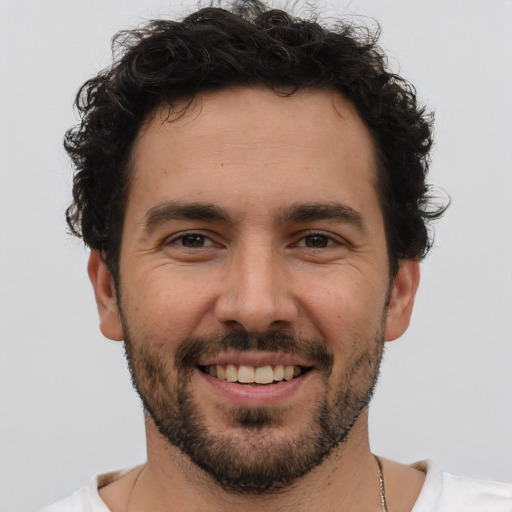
point(169, 211)
point(162, 213)
point(337, 212)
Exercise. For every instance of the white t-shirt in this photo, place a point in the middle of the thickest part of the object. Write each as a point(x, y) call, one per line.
point(441, 492)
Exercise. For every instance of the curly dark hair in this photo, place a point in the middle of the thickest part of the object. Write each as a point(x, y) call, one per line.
point(167, 62)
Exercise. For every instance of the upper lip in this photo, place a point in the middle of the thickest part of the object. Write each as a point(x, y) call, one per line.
point(254, 358)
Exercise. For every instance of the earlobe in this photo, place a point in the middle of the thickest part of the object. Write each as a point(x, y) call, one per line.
point(402, 297)
point(106, 299)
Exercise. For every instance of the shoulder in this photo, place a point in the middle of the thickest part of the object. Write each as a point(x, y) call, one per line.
point(80, 501)
point(87, 499)
point(445, 492)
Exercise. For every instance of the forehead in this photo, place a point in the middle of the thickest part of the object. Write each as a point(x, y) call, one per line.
point(255, 144)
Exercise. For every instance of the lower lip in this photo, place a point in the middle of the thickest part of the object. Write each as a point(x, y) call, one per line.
point(255, 396)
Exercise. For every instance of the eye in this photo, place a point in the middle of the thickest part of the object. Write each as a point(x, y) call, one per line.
point(315, 241)
point(192, 241)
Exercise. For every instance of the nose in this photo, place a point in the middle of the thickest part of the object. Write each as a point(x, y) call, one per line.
point(256, 295)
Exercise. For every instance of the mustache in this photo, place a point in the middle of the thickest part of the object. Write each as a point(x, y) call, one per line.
point(312, 350)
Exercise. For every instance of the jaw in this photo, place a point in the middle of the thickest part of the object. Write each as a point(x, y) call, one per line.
point(169, 463)
point(251, 437)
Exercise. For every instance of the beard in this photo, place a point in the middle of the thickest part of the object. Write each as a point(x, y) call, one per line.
point(259, 460)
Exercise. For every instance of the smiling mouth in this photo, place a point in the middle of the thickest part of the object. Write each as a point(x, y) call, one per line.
point(255, 375)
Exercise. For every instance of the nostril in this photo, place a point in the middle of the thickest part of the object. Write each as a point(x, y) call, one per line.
point(277, 325)
point(235, 325)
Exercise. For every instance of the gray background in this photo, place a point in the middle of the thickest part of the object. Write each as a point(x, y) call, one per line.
point(67, 407)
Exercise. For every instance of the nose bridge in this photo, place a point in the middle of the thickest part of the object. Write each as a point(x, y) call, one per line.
point(256, 295)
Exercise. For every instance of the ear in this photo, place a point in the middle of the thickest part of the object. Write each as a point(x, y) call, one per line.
point(106, 299)
point(402, 296)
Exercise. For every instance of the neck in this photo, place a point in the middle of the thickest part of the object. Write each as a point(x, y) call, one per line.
point(346, 480)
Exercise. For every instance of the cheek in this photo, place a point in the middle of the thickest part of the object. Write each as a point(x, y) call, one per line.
point(345, 306)
point(166, 305)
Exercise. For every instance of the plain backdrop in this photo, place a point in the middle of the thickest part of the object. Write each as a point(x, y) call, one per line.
point(67, 407)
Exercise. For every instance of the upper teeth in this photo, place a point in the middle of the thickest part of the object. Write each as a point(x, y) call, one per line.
point(253, 374)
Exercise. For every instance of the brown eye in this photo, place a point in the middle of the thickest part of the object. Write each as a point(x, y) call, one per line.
point(316, 241)
point(193, 241)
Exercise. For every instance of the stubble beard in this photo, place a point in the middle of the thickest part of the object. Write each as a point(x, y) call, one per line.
point(257, 461)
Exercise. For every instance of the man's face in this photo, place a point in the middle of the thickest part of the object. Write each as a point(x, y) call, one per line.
point(254, 251)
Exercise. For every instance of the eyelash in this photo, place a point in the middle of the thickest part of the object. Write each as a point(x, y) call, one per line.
point(329, 239)
point(182, 236)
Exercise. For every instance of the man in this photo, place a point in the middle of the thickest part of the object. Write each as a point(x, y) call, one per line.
point(252, 188)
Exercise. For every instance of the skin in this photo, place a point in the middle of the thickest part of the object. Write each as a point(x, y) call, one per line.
point(254, 154)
